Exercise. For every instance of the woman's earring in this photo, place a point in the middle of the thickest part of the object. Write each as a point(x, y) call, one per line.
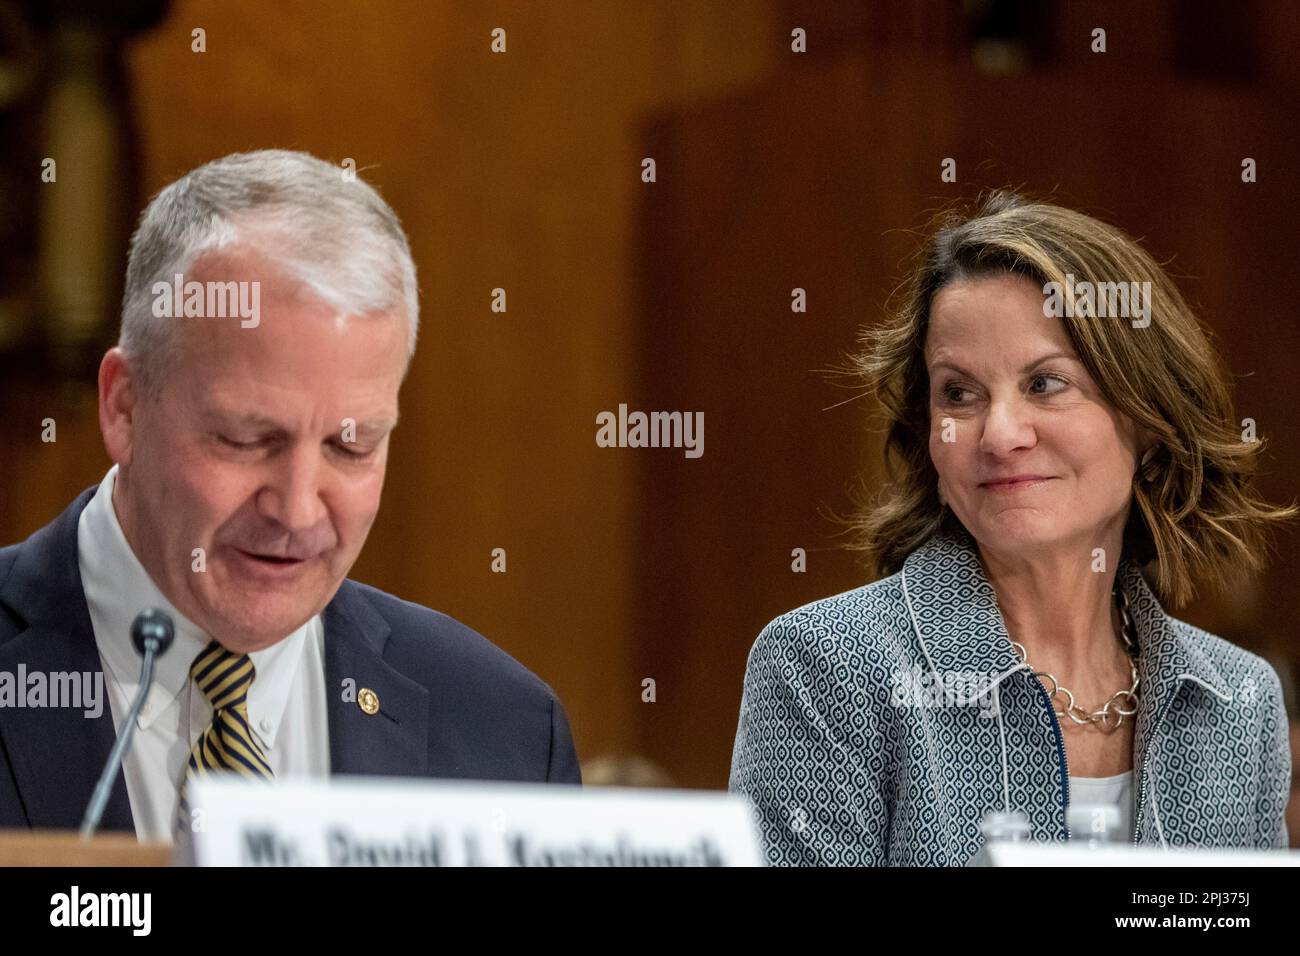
point(1141, 474)
point(943, 502)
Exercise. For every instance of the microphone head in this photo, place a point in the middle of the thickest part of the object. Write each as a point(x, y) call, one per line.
point(155, 627)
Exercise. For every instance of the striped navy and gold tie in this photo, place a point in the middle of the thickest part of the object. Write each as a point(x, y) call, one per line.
point(228, 745)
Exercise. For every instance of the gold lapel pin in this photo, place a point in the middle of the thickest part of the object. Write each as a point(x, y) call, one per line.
point(368, 701)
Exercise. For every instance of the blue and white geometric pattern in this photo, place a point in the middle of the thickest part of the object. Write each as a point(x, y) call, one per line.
point(842, 776)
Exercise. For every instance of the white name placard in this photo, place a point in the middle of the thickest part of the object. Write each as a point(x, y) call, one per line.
point(374, 821)
point(1126, 855)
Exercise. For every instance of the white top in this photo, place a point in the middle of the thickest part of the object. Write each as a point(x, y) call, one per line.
point(1116, 791)
point(286, 703)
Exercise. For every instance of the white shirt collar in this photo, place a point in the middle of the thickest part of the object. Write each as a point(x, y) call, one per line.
point(117, 588)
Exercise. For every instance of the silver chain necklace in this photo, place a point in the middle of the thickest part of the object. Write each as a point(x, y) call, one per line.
point(1123, 703)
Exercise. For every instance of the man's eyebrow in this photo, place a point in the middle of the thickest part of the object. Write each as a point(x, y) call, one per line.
point(378, 426)
point(250, 419)
point(1027, 368)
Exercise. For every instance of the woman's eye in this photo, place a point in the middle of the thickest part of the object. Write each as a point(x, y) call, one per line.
point(953, 393)
point(1062, 383)
point(231, 443)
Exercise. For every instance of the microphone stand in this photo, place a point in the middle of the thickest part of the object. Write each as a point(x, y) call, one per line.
point(152, 633)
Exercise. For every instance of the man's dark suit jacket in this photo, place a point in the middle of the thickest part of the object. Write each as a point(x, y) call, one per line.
point(452, 704)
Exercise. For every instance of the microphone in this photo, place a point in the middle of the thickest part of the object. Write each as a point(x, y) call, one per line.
point(152, 632)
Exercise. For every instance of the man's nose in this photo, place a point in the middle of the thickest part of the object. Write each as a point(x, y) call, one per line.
point(292, 494)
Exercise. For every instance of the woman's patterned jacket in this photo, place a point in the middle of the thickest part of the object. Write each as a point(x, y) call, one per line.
point(879, 726)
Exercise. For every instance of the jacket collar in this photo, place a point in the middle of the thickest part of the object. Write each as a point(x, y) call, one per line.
point(955, 613)
point(43, 589)
point(394, 741)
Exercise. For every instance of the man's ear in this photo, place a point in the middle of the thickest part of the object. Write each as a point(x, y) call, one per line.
point(118, 394)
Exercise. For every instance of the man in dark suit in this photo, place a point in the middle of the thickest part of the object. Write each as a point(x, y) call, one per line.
point(269, 318)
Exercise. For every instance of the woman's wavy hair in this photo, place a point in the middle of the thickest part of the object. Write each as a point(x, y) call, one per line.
point(1194, 512)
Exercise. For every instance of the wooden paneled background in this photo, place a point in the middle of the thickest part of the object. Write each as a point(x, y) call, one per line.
point(774, 171)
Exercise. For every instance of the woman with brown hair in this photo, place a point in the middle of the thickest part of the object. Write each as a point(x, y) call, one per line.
point(1064, 457)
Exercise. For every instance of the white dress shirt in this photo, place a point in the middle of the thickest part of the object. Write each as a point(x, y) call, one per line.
point(286, 703)
point(1115, 791)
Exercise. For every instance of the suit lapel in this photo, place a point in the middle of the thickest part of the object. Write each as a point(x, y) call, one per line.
point(395, 740)
point(1166, 661)
point(57, 753)
point(955, 609)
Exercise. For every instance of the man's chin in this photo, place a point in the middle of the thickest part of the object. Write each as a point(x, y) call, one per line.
point(258, 623)
point(245, 639)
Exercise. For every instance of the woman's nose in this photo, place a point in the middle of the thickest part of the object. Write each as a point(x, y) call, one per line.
point(1008, 426)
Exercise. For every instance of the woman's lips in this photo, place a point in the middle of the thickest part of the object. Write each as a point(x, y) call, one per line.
point(1019, 483)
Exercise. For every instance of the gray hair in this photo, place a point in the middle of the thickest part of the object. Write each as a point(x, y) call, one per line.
point(330, 230)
